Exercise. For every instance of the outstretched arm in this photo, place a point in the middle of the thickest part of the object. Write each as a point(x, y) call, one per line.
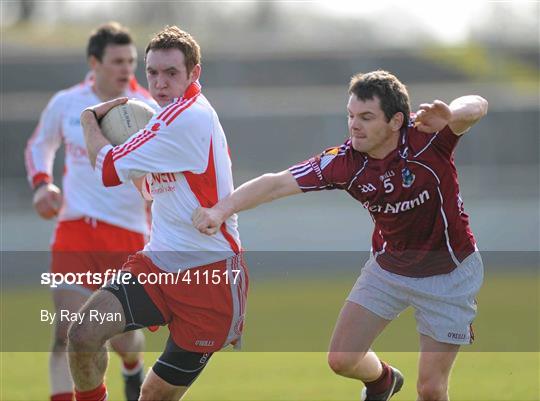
point(266, 188)
point(460, 115)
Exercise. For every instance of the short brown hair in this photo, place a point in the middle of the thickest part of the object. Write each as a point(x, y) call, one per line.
point(107, 34)
point(391, 92)
point(172, 37)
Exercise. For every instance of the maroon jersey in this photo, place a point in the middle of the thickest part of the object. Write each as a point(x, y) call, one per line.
point(412, 195)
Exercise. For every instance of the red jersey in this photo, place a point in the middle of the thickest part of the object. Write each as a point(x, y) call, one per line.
point(413, 197)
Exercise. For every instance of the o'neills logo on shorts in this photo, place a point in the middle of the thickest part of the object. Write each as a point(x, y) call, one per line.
point(398, 207)
point(457, 336)
point(204, 343)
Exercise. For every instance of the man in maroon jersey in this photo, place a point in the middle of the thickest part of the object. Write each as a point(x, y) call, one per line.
point(401, 168)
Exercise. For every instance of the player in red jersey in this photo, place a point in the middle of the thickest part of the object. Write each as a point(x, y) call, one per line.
point(401, 168)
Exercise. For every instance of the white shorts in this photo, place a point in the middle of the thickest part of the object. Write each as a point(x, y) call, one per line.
point(445, 304)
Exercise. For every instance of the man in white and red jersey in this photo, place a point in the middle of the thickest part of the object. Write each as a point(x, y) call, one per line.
point(195, 284)
point(98, 227)
point(424, 255)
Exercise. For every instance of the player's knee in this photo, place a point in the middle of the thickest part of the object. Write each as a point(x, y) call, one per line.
point(82, 337)
point(431, 390)
point(128, 345)
point(152, 391)
point(342, 362)
point(149, 392)
point(78, 337)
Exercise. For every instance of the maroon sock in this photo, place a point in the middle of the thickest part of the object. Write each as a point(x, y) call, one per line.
point(62, 397)
point(97, 394)
point(384, 381)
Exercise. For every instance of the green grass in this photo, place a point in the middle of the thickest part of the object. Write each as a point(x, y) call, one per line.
point(298, 316)
point(299, 376)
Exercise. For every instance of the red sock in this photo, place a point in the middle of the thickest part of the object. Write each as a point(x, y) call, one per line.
point(62, 397)
point(130, 366)
point(97, 394)
point(382, 383)
point(134, 368)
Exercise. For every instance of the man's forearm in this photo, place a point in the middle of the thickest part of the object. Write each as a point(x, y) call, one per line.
point(92, 135)
point(466, 111)
point(263, 189)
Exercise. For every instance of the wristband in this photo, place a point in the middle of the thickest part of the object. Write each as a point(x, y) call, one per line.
point(40, 179)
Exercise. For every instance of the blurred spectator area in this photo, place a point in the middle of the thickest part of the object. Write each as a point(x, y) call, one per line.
point(278, 109)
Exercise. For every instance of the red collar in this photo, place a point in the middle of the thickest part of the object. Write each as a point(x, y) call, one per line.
point(192, 90)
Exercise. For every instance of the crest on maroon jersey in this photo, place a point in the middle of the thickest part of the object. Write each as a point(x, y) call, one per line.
point(407, 177)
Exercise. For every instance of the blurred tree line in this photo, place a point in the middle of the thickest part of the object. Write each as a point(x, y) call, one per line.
point(500, 23)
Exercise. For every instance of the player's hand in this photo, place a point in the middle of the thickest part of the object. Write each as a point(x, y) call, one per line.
point(103, 108)
point(207, 221)
point(47, 201)
point(432, 117)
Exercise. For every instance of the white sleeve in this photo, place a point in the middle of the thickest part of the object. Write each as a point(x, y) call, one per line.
point(45, 141)
point(160, 148)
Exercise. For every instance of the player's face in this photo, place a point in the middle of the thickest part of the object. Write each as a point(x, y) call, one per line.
point(167, 74)
point(369, 131)
point(115, 69)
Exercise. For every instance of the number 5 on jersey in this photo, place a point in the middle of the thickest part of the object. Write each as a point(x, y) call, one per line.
point(388, 186)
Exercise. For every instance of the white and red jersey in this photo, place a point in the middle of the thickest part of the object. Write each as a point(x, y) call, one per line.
point(421, 228)
point(184, 155)
point(83, 193)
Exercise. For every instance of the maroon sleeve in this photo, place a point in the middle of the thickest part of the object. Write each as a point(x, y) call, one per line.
point(446, 141)
point(327, 170)
point(308, 175)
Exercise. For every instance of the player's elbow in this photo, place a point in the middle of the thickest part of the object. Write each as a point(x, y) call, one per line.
point(477, 108)
point(92, 160)
point(482, 107)
point(473, 109)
